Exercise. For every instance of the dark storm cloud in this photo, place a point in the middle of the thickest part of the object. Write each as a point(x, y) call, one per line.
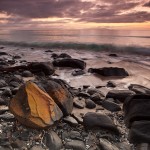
point(126, 18)
point(88, 11)
point(44, 8)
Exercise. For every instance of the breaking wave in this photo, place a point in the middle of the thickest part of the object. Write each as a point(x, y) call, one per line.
point(82, 46)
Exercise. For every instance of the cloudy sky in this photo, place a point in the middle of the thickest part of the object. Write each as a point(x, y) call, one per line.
point(28, 14)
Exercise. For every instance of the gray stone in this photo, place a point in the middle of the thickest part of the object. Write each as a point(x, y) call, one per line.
point(106, 145)
point(70, 120)
point(78, 103)
point(119, 94)
point(90, 104)
point(7, 117)
point(27, 73)
point(92, 120)
point(111, 106)
point(2, 83)
point(3, 109)
point(37, 148)
point(75, 145)
point(52, 141)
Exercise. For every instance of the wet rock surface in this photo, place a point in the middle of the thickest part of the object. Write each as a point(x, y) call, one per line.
point(86, 116)
point(111, 71)
point(68, 62)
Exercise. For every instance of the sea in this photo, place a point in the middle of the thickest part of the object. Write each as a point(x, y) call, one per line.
point(80, 38)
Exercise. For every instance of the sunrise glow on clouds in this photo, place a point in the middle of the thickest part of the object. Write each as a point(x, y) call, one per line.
point(125, 14)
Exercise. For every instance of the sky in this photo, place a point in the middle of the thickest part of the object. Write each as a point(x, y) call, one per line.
point(75, 14)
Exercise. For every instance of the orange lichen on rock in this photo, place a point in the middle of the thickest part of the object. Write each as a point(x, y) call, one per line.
point(34, 108)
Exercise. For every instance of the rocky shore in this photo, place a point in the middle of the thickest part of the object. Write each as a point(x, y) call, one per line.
point(73, 100)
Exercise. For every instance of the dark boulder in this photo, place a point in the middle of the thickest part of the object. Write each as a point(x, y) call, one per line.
point(109, 71)
point(46, 68)
point(121, 95)
point(58, 90)
point(93, 120)
point(139, 89)
point(140, 132)
point(68, 62)
point(136, 108)
point(3, 53)
point(54, 55)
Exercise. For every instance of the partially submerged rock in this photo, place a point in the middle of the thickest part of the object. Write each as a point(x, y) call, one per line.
point(37, 67)
point(69, 62)
point(34, 108)
point(109, 71)
point(119, 94)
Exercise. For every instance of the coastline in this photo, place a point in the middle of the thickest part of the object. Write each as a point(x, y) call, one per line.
point(138, 67)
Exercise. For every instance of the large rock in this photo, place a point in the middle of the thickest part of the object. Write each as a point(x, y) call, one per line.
point(69, 62)
point(139, 89)
point(109, 71)
point(33, 107)
point(140, 132)
point(119, 94)
point(46, 68)
point(59, 92)
point(93, 120)
point(136, 108)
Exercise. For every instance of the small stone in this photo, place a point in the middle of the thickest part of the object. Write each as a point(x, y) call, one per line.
point(2, 83)
point(70, 120)
point(92, 91)
point(78, 103)
point(37, 148)
point(75, 135)
point(14, 84)
point(16, 57)
point(113, 55)
point(111, 84)
point(3, 109)
point(78, 72)
point(7, 117)
point(97, 98)
point(48, 51)
point(111, 106)
point(27, 73)
point(78, 118)
point(83, 94)
point(106, 145)
point(90, 104)
point(7, 93)
point(3, 53)
point(52, 141)
point(75, 145)
point(2, 101)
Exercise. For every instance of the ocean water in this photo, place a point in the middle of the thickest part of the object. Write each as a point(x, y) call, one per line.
point(114, 37)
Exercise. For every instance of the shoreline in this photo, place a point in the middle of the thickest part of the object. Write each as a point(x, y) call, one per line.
point(137, 66)
point(110, 48)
